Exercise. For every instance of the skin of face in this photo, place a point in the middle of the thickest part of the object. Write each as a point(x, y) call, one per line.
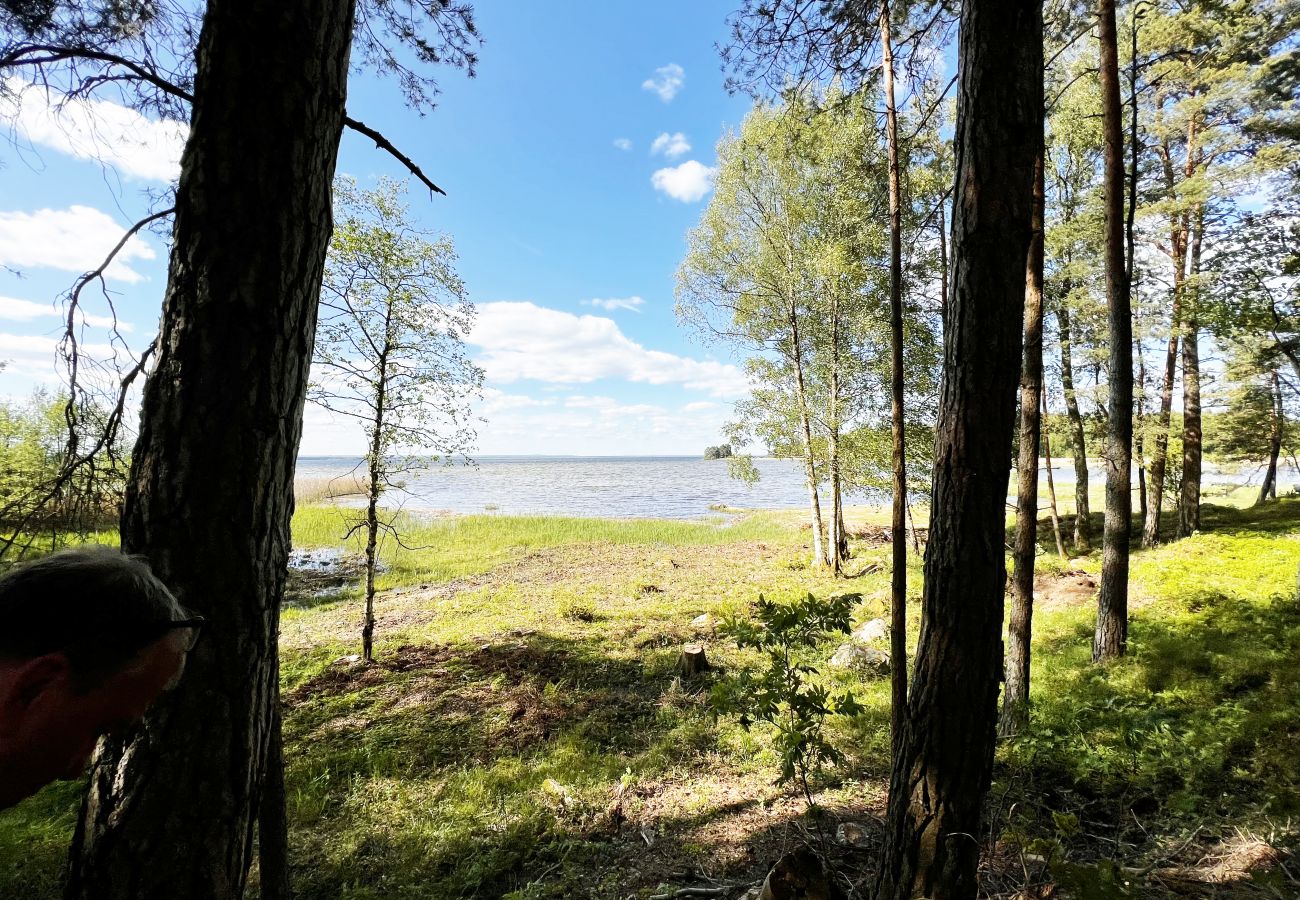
point(50, 723)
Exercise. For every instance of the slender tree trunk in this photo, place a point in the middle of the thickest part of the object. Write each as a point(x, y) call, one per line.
point(1160, 453)
point(272, 820)
point(1051, 492)
point(1112, 603)
point(1139, 424)
point(898, 510)
point(819, 556)
point(944, 763)
point(1078, 443)
point(372, 548)
point(172, 804)
point(1189, 506)
point(839, 544)
point(1015, 694)
point(1275, 421)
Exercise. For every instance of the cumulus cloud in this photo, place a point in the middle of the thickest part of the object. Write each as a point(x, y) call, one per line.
point(667, 81)
point(622, 143)
point(35, 355)
point(629, 303)
point(526, 341)
point(17, 310)
point(100, 130)
point(670, 145)
point(687, 182)
point(75, 239)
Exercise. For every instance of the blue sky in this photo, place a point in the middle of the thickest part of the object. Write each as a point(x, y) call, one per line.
point(574, 164)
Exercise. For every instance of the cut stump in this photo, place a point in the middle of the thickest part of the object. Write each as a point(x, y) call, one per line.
point(692, 661)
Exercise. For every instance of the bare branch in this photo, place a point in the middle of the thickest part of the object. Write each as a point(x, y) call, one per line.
point(384, 144)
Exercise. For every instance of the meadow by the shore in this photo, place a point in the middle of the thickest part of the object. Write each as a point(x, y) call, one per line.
point(522, 732)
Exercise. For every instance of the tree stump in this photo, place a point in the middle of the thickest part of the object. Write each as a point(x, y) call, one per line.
point(692, 661)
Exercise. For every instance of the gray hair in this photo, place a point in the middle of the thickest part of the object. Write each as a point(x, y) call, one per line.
point(96, 605)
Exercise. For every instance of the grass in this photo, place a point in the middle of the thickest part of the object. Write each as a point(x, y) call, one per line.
point(522, 732)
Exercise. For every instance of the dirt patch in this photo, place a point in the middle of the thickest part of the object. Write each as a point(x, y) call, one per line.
point(1068, 589)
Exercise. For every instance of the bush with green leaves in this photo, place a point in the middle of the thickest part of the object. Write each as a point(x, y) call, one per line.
point(783, 694)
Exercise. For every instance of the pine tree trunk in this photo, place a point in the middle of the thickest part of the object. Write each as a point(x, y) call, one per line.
point(944, 764)
point(1015, 696)
point(898, 510)
point(1078, 443)
point(1139, 425)
point(1111, 634)
point(1189, 506)
point(171, 806)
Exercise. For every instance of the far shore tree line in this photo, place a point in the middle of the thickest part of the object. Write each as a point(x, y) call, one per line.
point(895, 267)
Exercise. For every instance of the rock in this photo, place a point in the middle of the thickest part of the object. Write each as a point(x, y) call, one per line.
point(692, 661)
point(851, 656)
point(852, 834)
point(798, 876)
point(350, 660)
point(703, 622)
point(557, 792)
point(871, 631)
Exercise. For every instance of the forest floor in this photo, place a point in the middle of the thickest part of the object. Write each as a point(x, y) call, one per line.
point(522, 733)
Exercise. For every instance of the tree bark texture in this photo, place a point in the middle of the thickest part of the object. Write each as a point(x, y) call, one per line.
point(1078, 443)
point(1051, 490)
point(1160, 452)
point(1189, 504)
point(1111, 635)
point(942, 771)
point(171, 806)
point(898, 510)
point(1015, 694)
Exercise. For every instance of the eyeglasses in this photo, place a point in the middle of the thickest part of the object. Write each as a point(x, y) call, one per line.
point(195, 626)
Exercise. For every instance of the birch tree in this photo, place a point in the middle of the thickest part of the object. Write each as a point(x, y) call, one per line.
point(390, 352)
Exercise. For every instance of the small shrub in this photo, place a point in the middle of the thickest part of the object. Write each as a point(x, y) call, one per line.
point(782, 695)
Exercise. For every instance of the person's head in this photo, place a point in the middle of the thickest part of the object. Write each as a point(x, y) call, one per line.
point(89, 638)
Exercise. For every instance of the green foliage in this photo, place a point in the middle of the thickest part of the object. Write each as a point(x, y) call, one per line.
point(782, 695)
point(722, 451)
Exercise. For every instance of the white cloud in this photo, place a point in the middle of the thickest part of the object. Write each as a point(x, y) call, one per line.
point(34, 355)
point(630, 303)
point(97, 130)
point(670, 145)
point(688, 182)
point(75, 239)
point(526, 341)
point(622, 143)
point(25, 310)
point(666, 82)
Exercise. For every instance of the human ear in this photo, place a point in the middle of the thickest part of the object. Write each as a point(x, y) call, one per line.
point(28, 683)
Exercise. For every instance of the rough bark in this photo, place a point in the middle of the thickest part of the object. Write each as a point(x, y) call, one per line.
point(1111, 635)
point(898, 509)
point(942, 771)
point(1078, 444)
point(1189, 504)
point(171, 806)
point(1015, 693)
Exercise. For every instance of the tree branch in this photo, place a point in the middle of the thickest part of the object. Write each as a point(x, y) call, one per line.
point(384, 144)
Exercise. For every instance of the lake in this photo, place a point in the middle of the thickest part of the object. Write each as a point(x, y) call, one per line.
point(669, 487)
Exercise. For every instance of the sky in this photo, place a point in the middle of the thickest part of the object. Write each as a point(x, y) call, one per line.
point(574, 164)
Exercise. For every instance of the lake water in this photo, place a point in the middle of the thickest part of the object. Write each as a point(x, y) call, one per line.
point(671, 487)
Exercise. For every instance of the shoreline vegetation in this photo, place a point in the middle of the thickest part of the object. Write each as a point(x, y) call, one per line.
point(523, 732)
